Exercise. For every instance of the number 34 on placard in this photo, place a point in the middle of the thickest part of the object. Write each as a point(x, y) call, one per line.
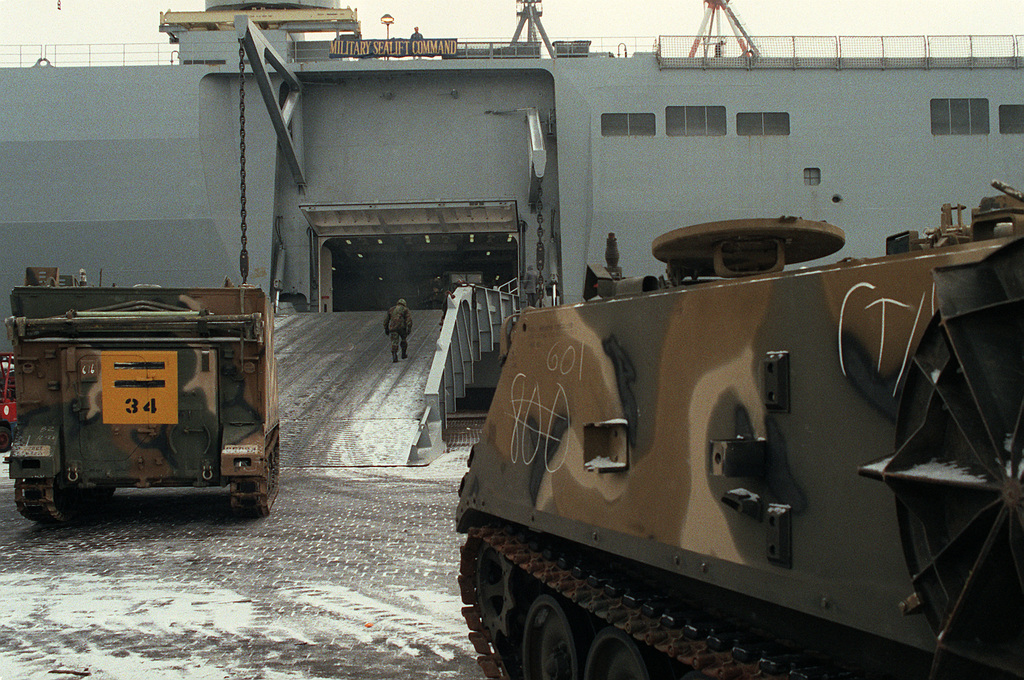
point(140, 387)
point(133, 406)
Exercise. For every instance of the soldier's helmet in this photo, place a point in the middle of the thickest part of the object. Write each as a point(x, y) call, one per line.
point(402, 302)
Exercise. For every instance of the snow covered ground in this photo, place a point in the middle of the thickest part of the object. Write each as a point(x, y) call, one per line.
point(352, 576)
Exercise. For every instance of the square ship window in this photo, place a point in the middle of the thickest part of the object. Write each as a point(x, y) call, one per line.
point(627, 124)
point(762, 124)
point(959, 116)
point(614, 124)
point(812, 176)
point(1011, 119)
point(695, 121)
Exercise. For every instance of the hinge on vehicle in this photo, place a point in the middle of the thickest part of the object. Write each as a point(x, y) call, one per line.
point(744, 502)
point(606, 446)
point(780, 535)
point(775, 381)
point(740, 457)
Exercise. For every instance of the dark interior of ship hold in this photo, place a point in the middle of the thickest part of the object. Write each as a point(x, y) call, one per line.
point(371, 272)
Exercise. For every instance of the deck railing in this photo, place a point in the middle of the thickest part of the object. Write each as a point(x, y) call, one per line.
point(877, 52)
point(991, 51)
point(121, 54)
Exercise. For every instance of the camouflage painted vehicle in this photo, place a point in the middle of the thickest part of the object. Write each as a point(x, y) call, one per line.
point(689, 481)
point(142, 387)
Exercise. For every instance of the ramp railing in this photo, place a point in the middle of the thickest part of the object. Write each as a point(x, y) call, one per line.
point(471, 327)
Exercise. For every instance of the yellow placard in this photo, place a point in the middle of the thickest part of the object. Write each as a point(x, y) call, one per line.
point(139, 387)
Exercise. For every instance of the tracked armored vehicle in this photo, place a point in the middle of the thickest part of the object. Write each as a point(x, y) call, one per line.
point(141, 387)
point(745, 472)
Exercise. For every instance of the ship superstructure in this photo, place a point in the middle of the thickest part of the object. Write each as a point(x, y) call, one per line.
point(380, 175)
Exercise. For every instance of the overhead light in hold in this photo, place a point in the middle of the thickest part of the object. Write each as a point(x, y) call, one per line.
point(348, 242)
point(380, 242)
point(359, 254)
point(471, 238)
point(380, 278)
point(487, 254)
point(426, 237)
point(510, 238)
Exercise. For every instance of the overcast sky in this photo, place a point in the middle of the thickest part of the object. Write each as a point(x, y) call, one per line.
point(36, 22)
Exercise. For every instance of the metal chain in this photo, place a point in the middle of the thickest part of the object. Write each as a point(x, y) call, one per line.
point(243, 256)
point(540, 230)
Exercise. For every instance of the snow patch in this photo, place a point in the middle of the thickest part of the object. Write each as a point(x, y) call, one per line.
point(879, 466)
point(374, 621)
point(101, 665)
point(746, 494)
point(944, 471)
point(603, 463)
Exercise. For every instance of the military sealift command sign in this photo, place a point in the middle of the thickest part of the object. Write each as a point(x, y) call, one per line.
point(395, 47)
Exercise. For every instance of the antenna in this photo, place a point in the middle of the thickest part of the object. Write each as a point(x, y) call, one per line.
point(706, 32)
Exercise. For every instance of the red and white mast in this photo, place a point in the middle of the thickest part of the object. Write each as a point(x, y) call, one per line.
point(706, 32)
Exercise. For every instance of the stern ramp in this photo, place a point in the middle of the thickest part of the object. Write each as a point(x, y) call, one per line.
point(343, 401)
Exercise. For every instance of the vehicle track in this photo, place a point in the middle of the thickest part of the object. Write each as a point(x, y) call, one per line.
point(684, 632)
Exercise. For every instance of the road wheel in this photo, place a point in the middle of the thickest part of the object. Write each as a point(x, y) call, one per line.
point(551, 643)
point(5, 439)
point(494, 590)
point(617, 656)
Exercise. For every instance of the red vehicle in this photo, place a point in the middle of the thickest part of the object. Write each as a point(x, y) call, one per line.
point(8, 403)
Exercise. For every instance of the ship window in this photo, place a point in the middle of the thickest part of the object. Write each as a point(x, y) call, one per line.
point(959, 116)
point(812, 176)
point(1011, 119)
point(627, 124)
point(759, 124)
point(694, 121)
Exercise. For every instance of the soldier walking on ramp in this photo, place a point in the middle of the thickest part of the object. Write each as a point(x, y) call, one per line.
point(398, 324)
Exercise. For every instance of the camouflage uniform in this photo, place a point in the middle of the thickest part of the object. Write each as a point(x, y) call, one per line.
point(530, 286)
point(398, 324)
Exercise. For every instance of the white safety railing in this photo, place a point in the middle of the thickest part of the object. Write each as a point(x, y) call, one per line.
point(671, 51)
point(876, 52)
point(471, 327)
point(121, 54)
